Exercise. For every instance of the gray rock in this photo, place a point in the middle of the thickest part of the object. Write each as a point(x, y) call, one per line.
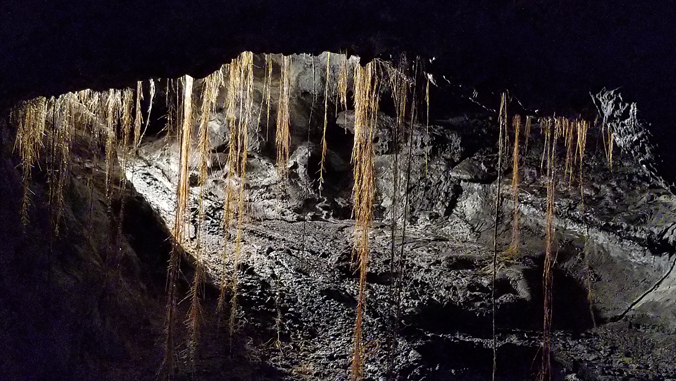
point(473, 170)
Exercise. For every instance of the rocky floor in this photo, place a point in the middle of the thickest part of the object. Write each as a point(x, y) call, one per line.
point(298, 298)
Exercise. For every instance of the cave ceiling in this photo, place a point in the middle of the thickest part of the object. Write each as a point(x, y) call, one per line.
point(544, 52)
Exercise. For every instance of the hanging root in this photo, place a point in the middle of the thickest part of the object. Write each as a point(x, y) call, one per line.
point(112, 107)
point(89, 115)
point(582, 126)
point(608, 141)
point(126, 126)
point(366, 107)
point(30, 117)
point(513, 249)
point(527, 128)
point(326, 109)
point(112, 114)
point(138, 116)
point(267, 92)
point(427, 124)
point(502, 118)
point(182, 197)
point(546, 129)
point(282, 137)
point(399, 87)
point(569, 131)
point(547, 279)
point(209, 93)
point(246, 117)
point(126, 121)
point(58, 165)
point(232, 165)
point(172, 108)
point(399, 84)
point(341, 87)
point(239, 102)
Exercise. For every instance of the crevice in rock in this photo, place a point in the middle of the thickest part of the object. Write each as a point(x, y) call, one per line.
point(636, 302)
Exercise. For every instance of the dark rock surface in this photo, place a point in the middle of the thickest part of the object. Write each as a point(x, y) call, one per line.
point(76, 306)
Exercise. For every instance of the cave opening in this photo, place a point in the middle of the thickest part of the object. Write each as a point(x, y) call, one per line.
point(423, 220)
